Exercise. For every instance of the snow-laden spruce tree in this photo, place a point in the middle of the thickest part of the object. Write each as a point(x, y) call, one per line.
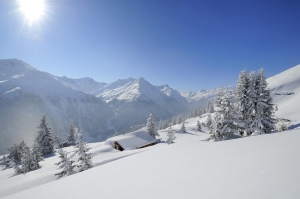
point(14, 154)
point(44, 138)
point(6, 161)
point(208, 120)
point(242, 99)
point(58, 141)
point(150, 127)
point(225, 117)
point(71, 134)
point(212, 127)
point(249, 115)
point(198, 126)
point(219, 98)
point(170, 136)
point(264, 121)
point(37, 156)
point(183, 128)
point(27, 163)
point(81, 154)
point(65, 164)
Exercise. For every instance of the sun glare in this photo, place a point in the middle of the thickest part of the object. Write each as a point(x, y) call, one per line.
point(32, 9)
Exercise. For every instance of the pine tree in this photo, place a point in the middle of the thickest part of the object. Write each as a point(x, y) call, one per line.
point(150, 128)
point(219, 98)
point(66, 164)
point(81, 152)
point(14, 154)
point(208, 120)
point(170, 136)
point(225, 117)
point(29, 161)
point(15, 166)
point(242, 101)
point(44, 137)
point(71, 134)
point(59, 141)
point(6, 161)
point(263, 120)
point(37, 156)
point(26, 161)
point(183, 128)
point(198, 126)
point(249, 115)
point(212, 126)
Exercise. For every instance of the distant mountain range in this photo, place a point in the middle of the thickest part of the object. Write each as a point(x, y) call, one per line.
point(99, 109)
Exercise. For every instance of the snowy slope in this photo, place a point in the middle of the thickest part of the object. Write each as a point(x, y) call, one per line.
point(252, 167)
point(26, 94)
point(113, 85)
point(286, 82)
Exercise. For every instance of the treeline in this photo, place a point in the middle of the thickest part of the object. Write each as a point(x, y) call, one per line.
point(24, 159)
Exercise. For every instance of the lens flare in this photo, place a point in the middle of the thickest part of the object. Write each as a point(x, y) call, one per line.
point(33, 10)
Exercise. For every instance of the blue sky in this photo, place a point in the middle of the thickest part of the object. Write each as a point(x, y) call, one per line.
point(190, 45)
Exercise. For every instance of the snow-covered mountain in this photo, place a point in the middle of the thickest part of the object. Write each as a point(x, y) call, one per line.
point(200, 98)
point(26, 94)
point(137, 98)
point(85, 84)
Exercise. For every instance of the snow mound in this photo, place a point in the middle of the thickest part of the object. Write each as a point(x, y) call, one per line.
point(132, 140)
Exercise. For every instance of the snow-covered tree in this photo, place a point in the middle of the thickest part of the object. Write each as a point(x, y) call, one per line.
point(212, 127)
point(170, 136)
point(58, 141)
point(174, 120)
point(6, 161)
point(14, 154)
point(263, 121)
point(44, 137)
point(150, 127)
point(180, 118)
point(37, 156)
point(65, 164)
point(225, 117)
point(219, 98)
point(26, 161)
point(183, 128)
point(84, 161)
point(71, 134)
point(250, 113)
point(30, 159)
point(15, 166)
point(208, 120)
point(242, 100)
point(198, 126)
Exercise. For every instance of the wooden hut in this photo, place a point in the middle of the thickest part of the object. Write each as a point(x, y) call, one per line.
point(134, 140)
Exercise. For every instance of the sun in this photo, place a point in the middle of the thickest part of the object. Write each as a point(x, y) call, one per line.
point(32, 9)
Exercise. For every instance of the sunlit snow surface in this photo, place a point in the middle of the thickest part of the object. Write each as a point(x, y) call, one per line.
point(264, 166)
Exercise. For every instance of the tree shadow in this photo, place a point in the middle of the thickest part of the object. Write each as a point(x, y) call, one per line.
point(49, 155)
point(294, 126)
